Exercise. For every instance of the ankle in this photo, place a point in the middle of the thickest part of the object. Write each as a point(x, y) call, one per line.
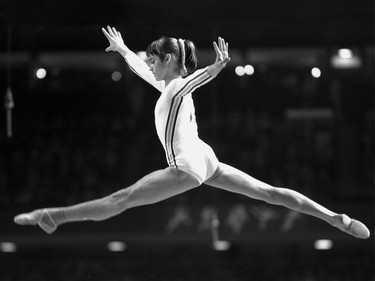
point(335, 219)
point(57, 215)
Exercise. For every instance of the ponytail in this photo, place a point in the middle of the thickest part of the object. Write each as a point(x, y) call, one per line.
point(191, 60)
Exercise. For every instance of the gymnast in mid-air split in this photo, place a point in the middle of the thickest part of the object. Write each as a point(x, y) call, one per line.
point(191, 162)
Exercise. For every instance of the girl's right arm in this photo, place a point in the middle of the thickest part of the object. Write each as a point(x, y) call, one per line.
point(136, 64)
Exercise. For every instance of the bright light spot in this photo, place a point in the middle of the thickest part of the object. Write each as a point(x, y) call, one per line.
point(249, 69)
point(338, 61)
point(315, 72)
point(345, 53)
point(116, 76)
point(8, 247)
point(240, 70)
point(41, 73)
point(116, 246)
point(323, 244)
point(221, 245)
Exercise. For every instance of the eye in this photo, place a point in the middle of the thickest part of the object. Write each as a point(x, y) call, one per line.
point(151, 60)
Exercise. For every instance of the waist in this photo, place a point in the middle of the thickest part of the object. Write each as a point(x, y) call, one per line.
point(178, 136)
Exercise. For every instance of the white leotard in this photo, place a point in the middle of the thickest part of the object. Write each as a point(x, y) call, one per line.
point(175, 120)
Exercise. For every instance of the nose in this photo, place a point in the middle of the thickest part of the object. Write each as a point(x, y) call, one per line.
point(151, 68)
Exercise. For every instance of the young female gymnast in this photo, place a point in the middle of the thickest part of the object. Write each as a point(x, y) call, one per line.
point(191, 162)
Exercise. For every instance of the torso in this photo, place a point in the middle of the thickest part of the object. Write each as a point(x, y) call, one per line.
point(175, 118)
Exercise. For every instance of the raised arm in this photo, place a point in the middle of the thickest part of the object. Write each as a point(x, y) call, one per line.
point(116, 43)
point(222, 57)
point(136, 64)
point(204, 75)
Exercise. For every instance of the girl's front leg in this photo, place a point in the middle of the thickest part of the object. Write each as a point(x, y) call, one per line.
point(234, 180)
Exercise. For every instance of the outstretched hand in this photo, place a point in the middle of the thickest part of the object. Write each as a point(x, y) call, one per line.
point(221, 50)
point(116, 43)
point(222, 57)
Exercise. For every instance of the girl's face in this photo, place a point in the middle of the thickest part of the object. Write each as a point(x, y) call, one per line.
point(157, 67)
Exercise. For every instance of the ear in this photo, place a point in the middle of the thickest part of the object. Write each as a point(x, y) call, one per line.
point(168, 58)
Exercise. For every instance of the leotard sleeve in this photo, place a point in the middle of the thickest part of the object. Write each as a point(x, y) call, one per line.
point(190, 83)
point(139, 67)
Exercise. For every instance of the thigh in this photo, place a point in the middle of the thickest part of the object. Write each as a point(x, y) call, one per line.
point(234, 180)
point(158, 186)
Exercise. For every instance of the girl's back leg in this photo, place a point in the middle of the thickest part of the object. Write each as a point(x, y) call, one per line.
point(152, 188)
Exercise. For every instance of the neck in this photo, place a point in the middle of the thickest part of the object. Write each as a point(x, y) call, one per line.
point(169, 79)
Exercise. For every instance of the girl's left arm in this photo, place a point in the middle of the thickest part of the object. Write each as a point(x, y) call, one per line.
point(222, 57)
point(204, 75)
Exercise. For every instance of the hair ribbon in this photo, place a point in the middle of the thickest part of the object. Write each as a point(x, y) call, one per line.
point(182, 48)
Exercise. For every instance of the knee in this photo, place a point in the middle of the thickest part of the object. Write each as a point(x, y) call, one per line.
point(127, 198)
point(285, 197)
point(120, 199)
point(271, 194)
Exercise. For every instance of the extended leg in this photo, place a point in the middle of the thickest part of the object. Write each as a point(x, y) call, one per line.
point(153, 188)
point(234, 180)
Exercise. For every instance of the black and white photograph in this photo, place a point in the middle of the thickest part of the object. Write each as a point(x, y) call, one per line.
point(187, 140)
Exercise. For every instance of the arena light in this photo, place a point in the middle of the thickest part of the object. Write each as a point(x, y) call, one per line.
point(8, 247)
point(315, 72)
point(41, 73)
point(116, 76)
point(323, 244)
point(240, 70)
point(221, 245)
point(346, 59)
point(345, 53)
point(116, 246)
point(249, 69)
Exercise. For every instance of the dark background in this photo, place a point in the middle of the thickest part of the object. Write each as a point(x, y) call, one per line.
point(79, 135)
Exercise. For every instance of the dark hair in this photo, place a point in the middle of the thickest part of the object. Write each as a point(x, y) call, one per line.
point(168, 45)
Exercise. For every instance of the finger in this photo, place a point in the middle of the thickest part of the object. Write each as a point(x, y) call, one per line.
point(105, 33)
point(223, 44)
point(119, 34)
point(220, 43)
point(115, 31)
point(217, 51)
point(110, 31)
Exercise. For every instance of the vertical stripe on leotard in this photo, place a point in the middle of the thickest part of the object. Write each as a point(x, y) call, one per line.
point(176, 102)
point(173, 112)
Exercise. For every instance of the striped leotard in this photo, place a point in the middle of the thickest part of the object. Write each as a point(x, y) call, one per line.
point(175, 120)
